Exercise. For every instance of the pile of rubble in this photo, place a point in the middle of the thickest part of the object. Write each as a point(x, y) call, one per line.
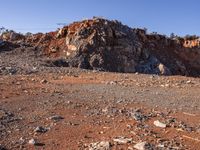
point(105, 45)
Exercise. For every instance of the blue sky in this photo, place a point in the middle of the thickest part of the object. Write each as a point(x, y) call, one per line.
point(162, 16)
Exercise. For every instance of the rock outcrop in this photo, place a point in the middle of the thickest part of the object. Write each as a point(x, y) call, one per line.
point(106, 45)
point(103, 45)
point(110, 46)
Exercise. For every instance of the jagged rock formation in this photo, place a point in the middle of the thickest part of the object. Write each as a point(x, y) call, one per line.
point(178, 58)
point(104, 45)
point(111, 46)
point(108, 45)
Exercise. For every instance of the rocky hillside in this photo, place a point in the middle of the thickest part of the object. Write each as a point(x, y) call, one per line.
point(106, 45)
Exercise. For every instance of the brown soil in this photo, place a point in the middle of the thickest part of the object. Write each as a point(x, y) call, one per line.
point(45, 103)
point(96, 107)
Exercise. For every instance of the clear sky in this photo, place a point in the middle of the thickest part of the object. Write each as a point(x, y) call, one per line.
point(163, 16)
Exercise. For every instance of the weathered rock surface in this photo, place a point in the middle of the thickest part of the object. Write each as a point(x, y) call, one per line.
point(100, 44)
point(111, 46)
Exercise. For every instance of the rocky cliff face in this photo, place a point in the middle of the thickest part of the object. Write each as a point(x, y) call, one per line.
point(174, 54)
point(110, 46)
point(103, 45)
point(106, 45)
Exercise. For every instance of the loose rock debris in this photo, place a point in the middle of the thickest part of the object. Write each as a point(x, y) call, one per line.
point(43, 98)
point(159, 124)
point(56, 118)
point(40, 129)
point(90, 112)
point(143, 146)
point(32, 142)
point(103, 145)
point(122, 140)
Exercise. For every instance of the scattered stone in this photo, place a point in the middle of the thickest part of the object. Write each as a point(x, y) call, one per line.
point(159, 124)
point(188, 82)
point(143, 146)
point(44, 81)
point(40, 129)
point(22, 141)
point(104, 145)
point(32, 142)
point(122, 140)
point(69, 102)
point(56, 118)
point(185, 127)
point(138, 116)
point(113, 82)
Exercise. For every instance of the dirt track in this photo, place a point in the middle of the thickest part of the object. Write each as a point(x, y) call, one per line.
point(97, 106)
